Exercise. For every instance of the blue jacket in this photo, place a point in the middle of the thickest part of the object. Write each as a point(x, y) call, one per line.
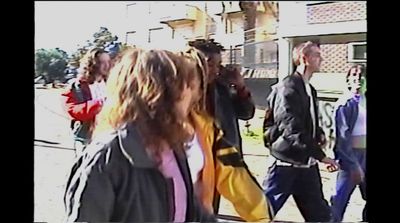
point(345, 119)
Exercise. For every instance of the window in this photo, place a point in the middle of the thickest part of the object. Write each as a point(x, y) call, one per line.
point(131, 38)
point(357, 52)
point(154, 34)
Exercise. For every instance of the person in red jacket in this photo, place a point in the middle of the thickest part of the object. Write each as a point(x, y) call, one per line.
point(85, 96)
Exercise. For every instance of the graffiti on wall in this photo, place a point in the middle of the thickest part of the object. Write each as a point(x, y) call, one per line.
point(326, 121)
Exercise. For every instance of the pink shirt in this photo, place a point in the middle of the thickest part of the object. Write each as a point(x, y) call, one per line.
point(170, 169)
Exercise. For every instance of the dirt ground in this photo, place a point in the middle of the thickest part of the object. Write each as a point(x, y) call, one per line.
point(53, 159)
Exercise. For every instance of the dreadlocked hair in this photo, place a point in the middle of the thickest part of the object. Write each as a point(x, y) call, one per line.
point(199, 59)
point(207, 46)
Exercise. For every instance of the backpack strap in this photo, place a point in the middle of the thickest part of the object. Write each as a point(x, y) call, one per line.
point(77, 91)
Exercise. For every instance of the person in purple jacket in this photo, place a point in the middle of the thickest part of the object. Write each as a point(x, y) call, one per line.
point(350, 146)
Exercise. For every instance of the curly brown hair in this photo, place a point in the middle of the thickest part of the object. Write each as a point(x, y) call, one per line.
point(89, 65)
point(143, 87)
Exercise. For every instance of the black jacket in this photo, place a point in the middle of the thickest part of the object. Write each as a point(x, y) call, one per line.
point(292, 139)
point(116, 181)
point(229, 107)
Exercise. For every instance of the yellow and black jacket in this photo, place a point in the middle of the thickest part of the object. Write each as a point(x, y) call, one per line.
point(225, 170)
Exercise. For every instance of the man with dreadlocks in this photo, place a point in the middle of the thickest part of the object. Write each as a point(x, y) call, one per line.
point(227, 100)
point(216, 166)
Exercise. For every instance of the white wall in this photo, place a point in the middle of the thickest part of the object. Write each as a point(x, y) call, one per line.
point(292, 13)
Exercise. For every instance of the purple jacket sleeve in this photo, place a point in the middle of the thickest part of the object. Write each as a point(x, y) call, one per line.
point(344, 120)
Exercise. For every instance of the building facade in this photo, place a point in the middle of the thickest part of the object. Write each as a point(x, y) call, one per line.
point(265, 51)
point(341, 30)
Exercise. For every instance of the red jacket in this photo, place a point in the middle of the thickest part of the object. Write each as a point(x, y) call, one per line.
point(78, 102)
point(80, 106)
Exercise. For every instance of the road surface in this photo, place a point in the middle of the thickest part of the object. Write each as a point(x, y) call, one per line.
point(53, 158)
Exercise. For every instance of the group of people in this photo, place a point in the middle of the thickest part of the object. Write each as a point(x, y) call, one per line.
point(295, 139)
point(157, 139)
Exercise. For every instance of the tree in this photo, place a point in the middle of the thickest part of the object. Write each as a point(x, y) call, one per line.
point(56, 69)
point(103, 39)
point(50, 64)
point(78, 54)
point(42, 62)
point(123, 46)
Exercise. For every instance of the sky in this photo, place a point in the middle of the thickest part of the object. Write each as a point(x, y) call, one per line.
point(67, 24)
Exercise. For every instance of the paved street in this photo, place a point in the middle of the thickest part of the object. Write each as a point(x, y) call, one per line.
point(54, 157)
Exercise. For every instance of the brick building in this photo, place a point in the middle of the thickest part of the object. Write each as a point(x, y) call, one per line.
point(340, 28)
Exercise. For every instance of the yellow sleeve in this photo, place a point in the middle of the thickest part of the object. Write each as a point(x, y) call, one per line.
point(234, 182)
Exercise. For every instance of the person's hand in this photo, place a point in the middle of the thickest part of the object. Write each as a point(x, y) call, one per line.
point(237, 79)
point(322, 140)
point(101, 103)
point(332, 165)
point(357, 175)
point(232, 75)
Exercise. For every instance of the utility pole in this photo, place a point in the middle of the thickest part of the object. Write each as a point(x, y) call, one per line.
point(206, 23)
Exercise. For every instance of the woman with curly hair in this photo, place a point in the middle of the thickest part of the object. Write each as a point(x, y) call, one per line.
point(85, 96)
point(135, 169)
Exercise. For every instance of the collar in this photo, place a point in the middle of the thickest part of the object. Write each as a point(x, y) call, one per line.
point(133, 147)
